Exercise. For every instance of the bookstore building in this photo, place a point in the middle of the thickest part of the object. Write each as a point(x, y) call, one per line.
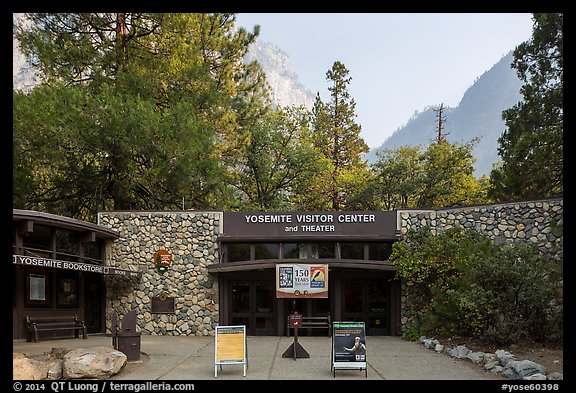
point(186, 272)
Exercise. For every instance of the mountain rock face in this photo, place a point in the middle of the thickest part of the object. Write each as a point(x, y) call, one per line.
point(478, 115)
point(23, 77)
point(286, 89)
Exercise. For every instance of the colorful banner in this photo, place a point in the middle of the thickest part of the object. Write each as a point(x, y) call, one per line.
point(301, 281)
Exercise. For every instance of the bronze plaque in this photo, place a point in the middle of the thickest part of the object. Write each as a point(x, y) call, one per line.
point(163, 304)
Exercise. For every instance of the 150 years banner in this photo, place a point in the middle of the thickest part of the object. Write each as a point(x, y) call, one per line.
point(301, 280)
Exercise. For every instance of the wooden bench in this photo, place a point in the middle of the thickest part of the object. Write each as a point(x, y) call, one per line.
point(312, 323)
point(69, 323)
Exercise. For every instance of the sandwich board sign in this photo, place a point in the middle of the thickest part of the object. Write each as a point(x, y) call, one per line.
point(349, 346)
point(230, 347)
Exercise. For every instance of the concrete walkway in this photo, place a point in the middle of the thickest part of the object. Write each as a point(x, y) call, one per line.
point(192, 358)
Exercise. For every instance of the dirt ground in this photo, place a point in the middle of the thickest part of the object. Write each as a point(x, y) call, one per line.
point(551, 356)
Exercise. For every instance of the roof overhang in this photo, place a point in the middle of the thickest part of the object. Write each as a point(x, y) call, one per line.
point(28, 217)
point(271, 264)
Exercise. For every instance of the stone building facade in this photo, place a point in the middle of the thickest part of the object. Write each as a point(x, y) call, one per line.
point(190, 237)
point(192, 240)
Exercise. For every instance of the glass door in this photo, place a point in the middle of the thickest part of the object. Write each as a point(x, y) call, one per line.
point(240, 305)
point(377, 319)
point(353, 299)
point(93, 301)
point(253, 305)
point(367, 301)
point(264, 295)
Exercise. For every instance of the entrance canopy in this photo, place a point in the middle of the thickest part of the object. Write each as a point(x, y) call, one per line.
point(259, 265)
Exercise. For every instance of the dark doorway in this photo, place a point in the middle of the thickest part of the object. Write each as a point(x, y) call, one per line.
point(367, 301)
point(93, 301)
point(253, 304)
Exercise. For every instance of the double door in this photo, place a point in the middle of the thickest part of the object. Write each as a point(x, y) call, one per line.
point(253, 303)
point(367, 301)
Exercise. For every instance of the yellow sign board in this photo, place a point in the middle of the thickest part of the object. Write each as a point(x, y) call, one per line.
point(230, 346)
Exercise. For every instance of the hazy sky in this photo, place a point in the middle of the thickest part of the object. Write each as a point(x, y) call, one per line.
point(399, 62)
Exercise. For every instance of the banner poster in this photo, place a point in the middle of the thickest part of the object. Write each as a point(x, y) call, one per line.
point(300, 280)
point(349, 342)
point(230, 346)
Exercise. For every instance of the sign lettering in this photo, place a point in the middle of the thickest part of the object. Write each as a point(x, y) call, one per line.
point(349, 346)
point(381, 225)
point(77, 266)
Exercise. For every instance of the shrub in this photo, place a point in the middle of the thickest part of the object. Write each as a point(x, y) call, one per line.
point(412, 333)
point(500, 293)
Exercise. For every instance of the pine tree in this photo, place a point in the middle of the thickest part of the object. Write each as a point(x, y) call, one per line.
point(532, 146)
point(136, 110)
point(337, 135)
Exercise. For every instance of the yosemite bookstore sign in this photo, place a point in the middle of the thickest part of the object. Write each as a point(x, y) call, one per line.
point(268, 224)
point(69, 265)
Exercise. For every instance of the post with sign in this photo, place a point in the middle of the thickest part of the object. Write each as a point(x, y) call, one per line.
point(300, 281)
point(230, 347)
point(295, 350)
point(349, 346)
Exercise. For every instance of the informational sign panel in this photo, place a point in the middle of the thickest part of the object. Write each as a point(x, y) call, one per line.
point(349, 346)
point(163, 304)
point(299, 280)
point(379, 225)
point(230, 346)
point(24, 260)
point(162, 260)
point(295, 320)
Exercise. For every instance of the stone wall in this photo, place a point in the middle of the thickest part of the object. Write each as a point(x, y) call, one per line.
point(539, 222)
point(191, 238)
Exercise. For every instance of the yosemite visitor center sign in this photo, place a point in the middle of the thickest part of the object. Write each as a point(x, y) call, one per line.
point(378, 225)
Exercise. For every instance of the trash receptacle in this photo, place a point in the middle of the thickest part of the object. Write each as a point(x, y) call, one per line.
point(130, 346)
point(127, 339)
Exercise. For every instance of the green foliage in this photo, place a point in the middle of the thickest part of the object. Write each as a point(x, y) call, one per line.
point(278, 160)
point(137, 111)
point(399, 176)
point(411, 333)
point(440, 176)
point(509, 292)
point(336, 135)
point(469, 286)
point(532, 146)
point(356, 191)
point(430, 262)
point(448, 176)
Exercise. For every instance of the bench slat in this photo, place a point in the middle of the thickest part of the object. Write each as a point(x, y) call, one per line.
point(58, 323)
point(48, 327)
